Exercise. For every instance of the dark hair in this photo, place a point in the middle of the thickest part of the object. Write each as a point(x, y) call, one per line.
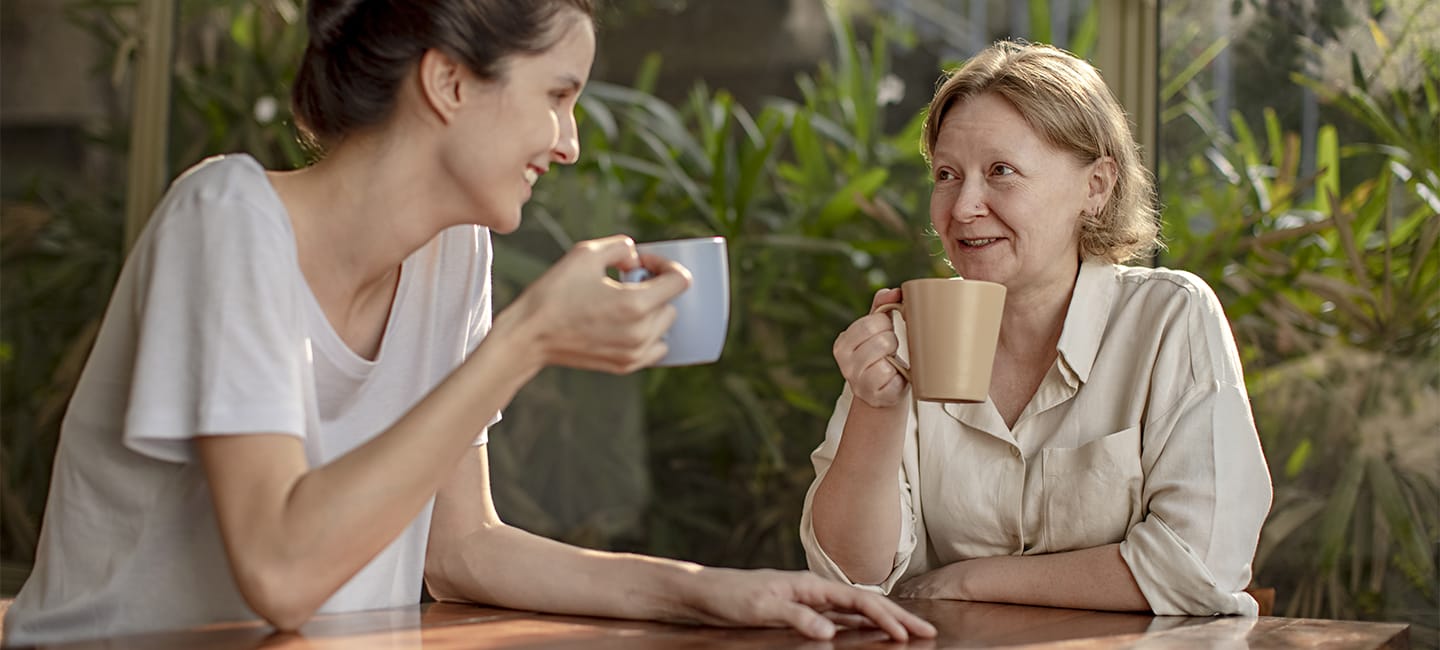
point(360, 50)
point(1066, 102)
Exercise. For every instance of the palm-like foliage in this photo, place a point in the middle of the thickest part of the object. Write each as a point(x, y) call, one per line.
point(1330, 281)
point(803, 192)
point(1333, 290)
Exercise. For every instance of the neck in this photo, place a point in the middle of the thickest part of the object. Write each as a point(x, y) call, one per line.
point(1034, 319)
point(360, 211)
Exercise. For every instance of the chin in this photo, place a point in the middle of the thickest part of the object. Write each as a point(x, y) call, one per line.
point(506, 227)
point(501, 222)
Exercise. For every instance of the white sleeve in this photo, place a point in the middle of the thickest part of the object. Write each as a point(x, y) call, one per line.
point(220, 345)
point(1207, 488)
point(820, 562)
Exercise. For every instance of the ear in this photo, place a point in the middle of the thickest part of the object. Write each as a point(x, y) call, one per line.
point(441, 83)
point(1103, 174)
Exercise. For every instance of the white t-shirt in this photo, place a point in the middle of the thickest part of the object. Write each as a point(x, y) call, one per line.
point(212, 329)
point(1140, 433)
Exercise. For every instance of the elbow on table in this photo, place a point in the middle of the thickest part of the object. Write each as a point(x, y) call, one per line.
point(866, 575)
point(856, 571)
point(278, 596)
point(445, 564)
point(438, 583)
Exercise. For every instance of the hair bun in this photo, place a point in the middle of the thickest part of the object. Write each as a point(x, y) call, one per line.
point(325, 18)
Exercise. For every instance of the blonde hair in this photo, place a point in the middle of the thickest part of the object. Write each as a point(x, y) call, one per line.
point(1064, 99)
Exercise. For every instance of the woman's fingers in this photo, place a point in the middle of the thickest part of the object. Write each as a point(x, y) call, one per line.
point(866, 339)
point(615, 251)
point(667, 279)
point(805, 620)
point(883, 612)
point(847, 619)
point(627, 349)
point(589, 320)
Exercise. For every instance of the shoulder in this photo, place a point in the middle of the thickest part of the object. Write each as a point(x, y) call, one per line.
point(1181, 291)
point(232, 177)
point(1185, 306)
point(226, 198)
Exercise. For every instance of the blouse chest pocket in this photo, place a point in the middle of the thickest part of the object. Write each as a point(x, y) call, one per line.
point(1092, 492)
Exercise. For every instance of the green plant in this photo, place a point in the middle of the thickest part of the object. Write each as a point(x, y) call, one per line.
point(804, 194)
point(62, 240)
point(1332, 285)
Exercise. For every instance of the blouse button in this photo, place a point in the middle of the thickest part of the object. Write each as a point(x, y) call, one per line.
point(1015, 451)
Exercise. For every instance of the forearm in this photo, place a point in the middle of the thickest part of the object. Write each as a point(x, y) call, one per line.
point(856, 508)
point(1092, 578)
point(296, 536)
point(505, 566)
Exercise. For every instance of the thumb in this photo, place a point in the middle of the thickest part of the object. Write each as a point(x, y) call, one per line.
point(884, 297)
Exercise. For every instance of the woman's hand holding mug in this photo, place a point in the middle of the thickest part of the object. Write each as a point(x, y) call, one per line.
point(586, 319)
point(862, 352)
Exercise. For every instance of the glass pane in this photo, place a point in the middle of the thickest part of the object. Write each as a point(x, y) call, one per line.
point(1299, 161)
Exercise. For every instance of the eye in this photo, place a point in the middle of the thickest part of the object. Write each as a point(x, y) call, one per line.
point(944, 175)
point(1002, 169)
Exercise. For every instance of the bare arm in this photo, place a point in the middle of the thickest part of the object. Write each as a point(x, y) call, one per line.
point(856, 508)
point(475, 557)
point(1092, 578)
point(294, 534)
point(466, 534)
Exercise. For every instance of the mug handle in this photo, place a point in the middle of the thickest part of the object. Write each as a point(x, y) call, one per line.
point(637, 274)
point(895, 361)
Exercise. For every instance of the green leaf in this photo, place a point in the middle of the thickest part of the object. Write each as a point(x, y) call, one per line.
point(243, 28)
point(1338, 509)
point(648, 73)
point(1040, 21)
point(1327, 159)
point(1192, 69)
point(1082, 42)
point(1296, 463)
point(842, 205)
point(1414, 554)
point(813, 167)
point(1357, 73)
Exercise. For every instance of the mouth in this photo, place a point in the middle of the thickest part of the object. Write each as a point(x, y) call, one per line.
point(977, 243)
point(532, 174)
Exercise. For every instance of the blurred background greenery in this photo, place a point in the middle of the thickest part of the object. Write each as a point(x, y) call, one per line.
point(1298, 161)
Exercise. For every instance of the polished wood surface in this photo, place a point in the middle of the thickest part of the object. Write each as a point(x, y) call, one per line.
point(961, 625)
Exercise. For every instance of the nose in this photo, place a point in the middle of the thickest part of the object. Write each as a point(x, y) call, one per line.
point(969, 202)
point(567, 143)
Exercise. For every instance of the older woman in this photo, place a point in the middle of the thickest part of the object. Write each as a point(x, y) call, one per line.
point(1115, 464)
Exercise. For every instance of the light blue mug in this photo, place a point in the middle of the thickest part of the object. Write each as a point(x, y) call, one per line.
point(703, 310)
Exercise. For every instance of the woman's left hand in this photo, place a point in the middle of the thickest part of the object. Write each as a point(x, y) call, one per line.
point(800, 600)
point(945, 583)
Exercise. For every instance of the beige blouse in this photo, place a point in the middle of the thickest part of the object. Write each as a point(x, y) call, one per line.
point(1141, 433)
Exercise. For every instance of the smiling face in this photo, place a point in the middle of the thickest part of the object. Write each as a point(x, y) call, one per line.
point(509, 130)
point(1006, 203)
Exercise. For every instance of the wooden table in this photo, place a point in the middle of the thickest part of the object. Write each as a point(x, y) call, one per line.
point(961, 624)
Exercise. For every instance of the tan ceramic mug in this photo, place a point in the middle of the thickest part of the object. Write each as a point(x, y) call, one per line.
point(952, 326)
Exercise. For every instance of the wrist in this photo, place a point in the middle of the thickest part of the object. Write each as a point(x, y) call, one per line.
point(675, 590)
point(513, 344)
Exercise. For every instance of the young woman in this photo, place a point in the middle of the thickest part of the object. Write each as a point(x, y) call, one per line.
point(286, 410)
point(1115, 464)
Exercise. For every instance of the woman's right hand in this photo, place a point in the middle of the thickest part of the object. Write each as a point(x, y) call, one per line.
point(582, 318)
point(861, 352)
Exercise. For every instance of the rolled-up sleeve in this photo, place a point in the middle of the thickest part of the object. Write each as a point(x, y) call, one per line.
point(1207, 489)
point(820, 562)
